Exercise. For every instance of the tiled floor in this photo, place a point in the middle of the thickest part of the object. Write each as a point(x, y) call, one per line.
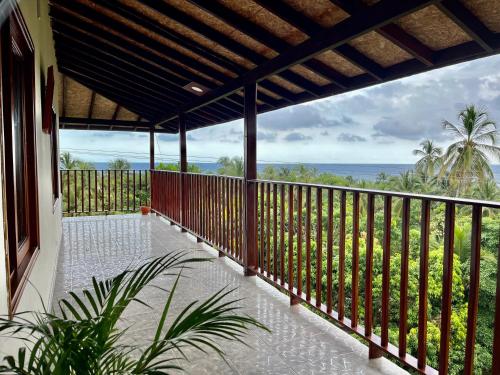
point(300, 343)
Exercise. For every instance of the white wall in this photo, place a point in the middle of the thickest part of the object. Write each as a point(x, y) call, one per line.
point(43, 272)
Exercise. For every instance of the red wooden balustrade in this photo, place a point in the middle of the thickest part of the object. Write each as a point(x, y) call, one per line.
point(289, 216)
point(106, 191)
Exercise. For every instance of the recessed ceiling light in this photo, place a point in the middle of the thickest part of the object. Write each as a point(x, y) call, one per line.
point(195, 88)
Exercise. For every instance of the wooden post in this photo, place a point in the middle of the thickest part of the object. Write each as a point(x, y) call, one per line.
point(250, 162)
point(152, 148)
point(182, 169)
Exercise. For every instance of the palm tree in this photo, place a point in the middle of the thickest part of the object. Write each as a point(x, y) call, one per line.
point(231, 166)
point(430, 155)
point(67, 161)
point(382, 177)
point(467, 160)
point(119, 165)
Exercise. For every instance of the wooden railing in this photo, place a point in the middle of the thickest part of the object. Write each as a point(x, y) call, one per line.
point(325, 246)
point(212, 207)
point(106, 191)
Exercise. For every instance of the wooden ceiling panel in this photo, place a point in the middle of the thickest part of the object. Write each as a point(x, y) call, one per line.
point(322, 11)
point(487, 11)
point(339, 63)
point(103, 108)
point(267, 20)
point(125, 114)
point(77, 99)
point(221, 26)
point(433, 28)
point(379, 49)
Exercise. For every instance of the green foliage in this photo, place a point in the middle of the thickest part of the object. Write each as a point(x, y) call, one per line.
point(85, 338)
point(119, 164)
point(230, 166)
point(175, 167)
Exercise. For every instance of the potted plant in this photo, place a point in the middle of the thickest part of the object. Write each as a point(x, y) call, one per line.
point(84, 337)
point(143, 196)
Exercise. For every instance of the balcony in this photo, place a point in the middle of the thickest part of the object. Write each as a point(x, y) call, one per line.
point(301, 342)
point(279, 234)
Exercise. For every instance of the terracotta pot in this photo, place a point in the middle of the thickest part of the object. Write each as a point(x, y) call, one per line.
point(145, 210)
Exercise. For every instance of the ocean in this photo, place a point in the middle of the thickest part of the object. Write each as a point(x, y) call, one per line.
point(357, 171)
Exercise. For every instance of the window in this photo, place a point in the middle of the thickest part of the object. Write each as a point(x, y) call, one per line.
point(54, 157)
point(19, 153)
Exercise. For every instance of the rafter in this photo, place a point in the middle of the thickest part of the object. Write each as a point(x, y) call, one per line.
point(91, 105)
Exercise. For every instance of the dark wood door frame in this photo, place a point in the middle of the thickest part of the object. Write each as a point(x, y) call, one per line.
point(16, 41)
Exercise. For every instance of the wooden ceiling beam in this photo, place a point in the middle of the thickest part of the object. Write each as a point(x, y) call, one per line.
point(391, 31)
point(115, 113)
point(382, 13)
point(468, 23)
point(91, 105)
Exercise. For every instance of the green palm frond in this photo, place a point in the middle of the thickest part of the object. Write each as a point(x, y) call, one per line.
point(84, 338)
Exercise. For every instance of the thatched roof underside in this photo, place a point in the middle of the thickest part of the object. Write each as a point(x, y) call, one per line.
point(140, 54)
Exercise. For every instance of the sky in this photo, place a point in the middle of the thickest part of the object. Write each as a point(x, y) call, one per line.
point(380, 124)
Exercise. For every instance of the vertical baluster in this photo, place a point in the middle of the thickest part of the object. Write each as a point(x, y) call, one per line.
point(290, 238)
point(355, 259)
point(95, 190)
point(341, 291)
point(319, 244)
point(116, 192)
point(102, 190)
point(495, 367)
point(68, 206)
point(299, 240)
point(261, 227)
point(472, 306)
point(275, 232)
point(329, 254)
point(218, 219)
point(82, 180)
point(308, 244)
point(370, 211)
point(134, 193)
point(109, 190)
point(449, 233)
point(268, 229)
point(403, 290)
point(89, 190)
point(230, 215)
point(140, 186)
point(386, 272)
point(423, 278)
point(282, 235)
point(76, 190)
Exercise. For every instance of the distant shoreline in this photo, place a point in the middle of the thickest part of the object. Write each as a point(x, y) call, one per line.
point(357, 171)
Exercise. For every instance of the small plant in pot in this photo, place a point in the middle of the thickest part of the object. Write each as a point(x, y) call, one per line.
point(143, 196)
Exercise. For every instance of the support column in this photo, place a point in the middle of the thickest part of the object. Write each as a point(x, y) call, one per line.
point(249, 198)
point(152, 148)
point(151, 163)
point(182, 168)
